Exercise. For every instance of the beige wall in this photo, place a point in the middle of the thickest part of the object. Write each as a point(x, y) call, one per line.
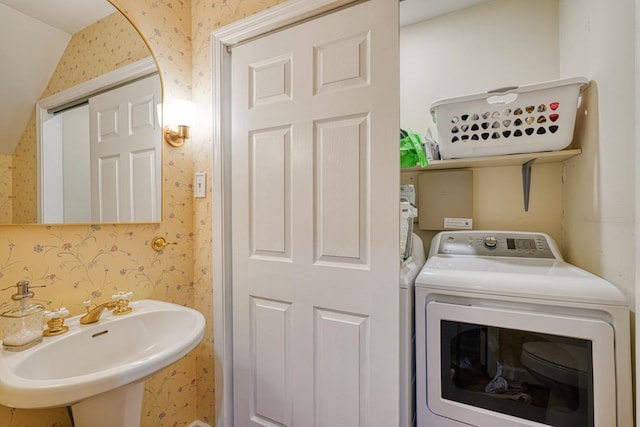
point(491, 45)
point(488, 46)
point(587, 203)
point(24, 209)
point(6, 192)
point(597, 41)
point(80, 262)
point(77, 262)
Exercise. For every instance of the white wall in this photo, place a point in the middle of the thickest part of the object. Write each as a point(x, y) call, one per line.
point(591, 198)
point(496, 44)
point(492, 45)
point(597, 41)
point(52, 176)
point(30, 51)
point(76, 165)
point(507, 42)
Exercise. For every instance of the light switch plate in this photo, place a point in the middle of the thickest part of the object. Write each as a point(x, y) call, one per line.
point(199, 184)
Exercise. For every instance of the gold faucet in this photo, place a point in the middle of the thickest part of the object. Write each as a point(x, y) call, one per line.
point(119, 305)
point(94, 314)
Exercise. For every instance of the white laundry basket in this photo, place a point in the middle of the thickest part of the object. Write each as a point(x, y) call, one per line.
point(518, 119)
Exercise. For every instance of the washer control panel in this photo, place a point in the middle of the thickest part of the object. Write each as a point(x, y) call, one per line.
point(495, 243)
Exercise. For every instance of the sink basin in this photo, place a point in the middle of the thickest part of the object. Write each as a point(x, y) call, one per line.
point(94, 359)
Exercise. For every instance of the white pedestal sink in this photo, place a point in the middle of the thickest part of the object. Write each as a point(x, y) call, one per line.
point(99, 369)
point(120, 407)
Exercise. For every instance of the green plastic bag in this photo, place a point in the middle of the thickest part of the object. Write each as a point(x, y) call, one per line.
point(411, 151)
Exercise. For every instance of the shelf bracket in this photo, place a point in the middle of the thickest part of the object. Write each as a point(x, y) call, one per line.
point(526, 182)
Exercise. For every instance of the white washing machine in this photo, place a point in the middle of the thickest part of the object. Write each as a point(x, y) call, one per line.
point(509, 334)
point(409, 269)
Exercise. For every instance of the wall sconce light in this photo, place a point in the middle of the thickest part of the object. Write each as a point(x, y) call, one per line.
point(179, 116)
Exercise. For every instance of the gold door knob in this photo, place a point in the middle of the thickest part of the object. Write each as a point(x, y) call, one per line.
point(159, 243)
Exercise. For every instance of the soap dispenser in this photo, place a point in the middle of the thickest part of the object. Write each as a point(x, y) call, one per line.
point(22, 324)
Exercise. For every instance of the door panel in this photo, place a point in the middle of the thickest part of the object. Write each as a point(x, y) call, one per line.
point(109, 192)
point(315, 262)
point(342, 376)
point(342, 147)
point(343, 63)
point(125, 156)
point(270, 192)
point(270, 333)
point(143, 168)
point(270, 81)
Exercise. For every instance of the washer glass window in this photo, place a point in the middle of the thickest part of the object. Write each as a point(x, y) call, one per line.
point(536, 376)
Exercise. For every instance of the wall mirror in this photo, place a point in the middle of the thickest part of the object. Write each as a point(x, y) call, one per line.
point(82, 140)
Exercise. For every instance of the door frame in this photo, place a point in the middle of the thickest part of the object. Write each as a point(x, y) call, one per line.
point(222, 40)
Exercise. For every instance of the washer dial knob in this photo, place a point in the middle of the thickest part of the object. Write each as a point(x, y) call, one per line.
point(490, 242)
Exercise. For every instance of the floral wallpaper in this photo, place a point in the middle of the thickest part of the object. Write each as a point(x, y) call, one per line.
point(76, 262)
point(6, 190)
point(208, 15)
point(93, 261)
point(104, 46)
point(24, 176)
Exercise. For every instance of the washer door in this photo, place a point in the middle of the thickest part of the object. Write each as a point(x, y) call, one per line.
point(476, 374)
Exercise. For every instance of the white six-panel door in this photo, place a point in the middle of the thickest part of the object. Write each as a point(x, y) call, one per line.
point(315, 177)
point(125, 154)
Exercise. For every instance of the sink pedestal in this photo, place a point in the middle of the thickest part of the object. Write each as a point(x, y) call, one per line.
point(119, 407)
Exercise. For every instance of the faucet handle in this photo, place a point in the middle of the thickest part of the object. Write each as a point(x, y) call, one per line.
point(126, 296)
point(55, 322)
point(87, 304)
point(58, 313)
point(122, 302)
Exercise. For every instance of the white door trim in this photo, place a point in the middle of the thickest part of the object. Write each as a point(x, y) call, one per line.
point(141, 68)
point(287, 13)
